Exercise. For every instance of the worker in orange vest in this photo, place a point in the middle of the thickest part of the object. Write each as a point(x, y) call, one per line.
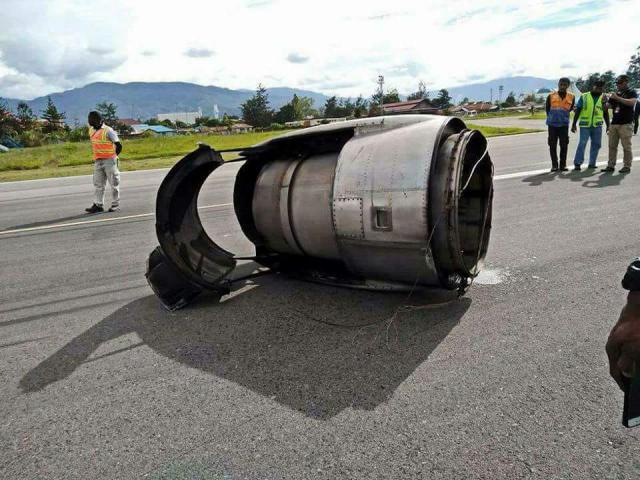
point(558, 107)
point(106, 148)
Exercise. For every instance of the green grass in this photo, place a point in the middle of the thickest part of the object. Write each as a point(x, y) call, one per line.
point(500, 131)
point(75, 158)
point(499, 114)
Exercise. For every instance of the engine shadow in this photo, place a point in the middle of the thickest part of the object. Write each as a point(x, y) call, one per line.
point(314, 348)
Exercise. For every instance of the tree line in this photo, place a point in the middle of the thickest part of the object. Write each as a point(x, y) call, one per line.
point(257, 110)
point(26, 128)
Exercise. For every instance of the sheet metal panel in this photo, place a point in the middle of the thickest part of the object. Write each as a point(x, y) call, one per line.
point(389, 169)
point(310, 202)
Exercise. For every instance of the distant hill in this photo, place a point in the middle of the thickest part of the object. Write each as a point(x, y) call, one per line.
point(147, 99)
point(518, 85)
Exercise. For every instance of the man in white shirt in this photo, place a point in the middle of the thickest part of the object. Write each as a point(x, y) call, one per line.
point(106, 147)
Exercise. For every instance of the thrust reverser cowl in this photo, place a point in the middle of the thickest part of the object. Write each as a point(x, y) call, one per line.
point(388, 203)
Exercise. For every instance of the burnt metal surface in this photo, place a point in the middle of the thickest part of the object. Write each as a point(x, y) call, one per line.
point(383, 203)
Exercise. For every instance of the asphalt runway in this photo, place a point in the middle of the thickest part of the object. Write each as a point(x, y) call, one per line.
point(514, 121)
point(509, 382)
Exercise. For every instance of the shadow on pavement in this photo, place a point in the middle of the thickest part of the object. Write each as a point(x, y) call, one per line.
point(51, 313)
point(581, 175)
point(52, 222)
point(540, 178)
point(605, 180)
point(270, 337)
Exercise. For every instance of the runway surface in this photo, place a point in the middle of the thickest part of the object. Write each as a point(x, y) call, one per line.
point(511, 381)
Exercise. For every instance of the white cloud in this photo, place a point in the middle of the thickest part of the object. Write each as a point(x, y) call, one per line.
point(69, 43)
point(56, 45)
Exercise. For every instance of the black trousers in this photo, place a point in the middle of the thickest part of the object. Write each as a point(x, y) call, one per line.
point(558, 134)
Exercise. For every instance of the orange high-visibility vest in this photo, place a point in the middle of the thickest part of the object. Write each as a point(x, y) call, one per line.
point(557, 102)
point(100, 143)
point(559, 110)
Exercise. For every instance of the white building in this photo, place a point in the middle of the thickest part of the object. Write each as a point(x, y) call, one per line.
point(187, 117)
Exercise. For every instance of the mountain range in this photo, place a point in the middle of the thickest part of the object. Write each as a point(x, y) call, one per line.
point(517, 85)
point(147, 99)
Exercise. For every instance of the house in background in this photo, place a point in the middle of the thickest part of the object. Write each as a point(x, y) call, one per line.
point(187, 117)
point(474, 108)
point(241, 128)
point(129, 122)
point(155, 129)
point(411, 106)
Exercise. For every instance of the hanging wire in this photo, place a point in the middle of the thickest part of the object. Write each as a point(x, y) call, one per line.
point(403, 307)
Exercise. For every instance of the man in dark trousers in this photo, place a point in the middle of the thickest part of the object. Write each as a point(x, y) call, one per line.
point(559, 105)
point(592, 115)
point(623, 103)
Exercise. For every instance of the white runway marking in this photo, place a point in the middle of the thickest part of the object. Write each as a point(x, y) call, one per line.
point(102, 220)
point(507, 176)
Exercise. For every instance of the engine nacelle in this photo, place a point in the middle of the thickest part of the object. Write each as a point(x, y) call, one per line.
point(389, 203)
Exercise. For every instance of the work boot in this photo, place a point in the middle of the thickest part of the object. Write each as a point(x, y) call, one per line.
point(577, 168)
point(624, 170)
point(608, 169)
point(95, 208)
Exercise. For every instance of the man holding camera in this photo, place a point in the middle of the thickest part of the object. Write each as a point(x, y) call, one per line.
point(623, 103)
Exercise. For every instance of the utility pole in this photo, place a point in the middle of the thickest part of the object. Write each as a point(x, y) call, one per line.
point(492, 95)
point(500, 89)
point(381, 87)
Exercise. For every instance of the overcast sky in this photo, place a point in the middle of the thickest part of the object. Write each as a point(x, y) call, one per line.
point(331, 46)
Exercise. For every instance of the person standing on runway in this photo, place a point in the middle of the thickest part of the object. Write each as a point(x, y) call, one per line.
point(592, 114)
point(106, 147)
point(558, 107)
point(623, 103)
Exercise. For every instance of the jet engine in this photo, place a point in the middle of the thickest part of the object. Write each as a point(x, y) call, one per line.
point(385, 203)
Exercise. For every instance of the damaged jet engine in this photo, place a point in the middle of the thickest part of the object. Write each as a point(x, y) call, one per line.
point(386, 203)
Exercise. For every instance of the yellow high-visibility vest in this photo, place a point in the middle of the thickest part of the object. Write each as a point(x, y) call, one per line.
point(592, 114)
